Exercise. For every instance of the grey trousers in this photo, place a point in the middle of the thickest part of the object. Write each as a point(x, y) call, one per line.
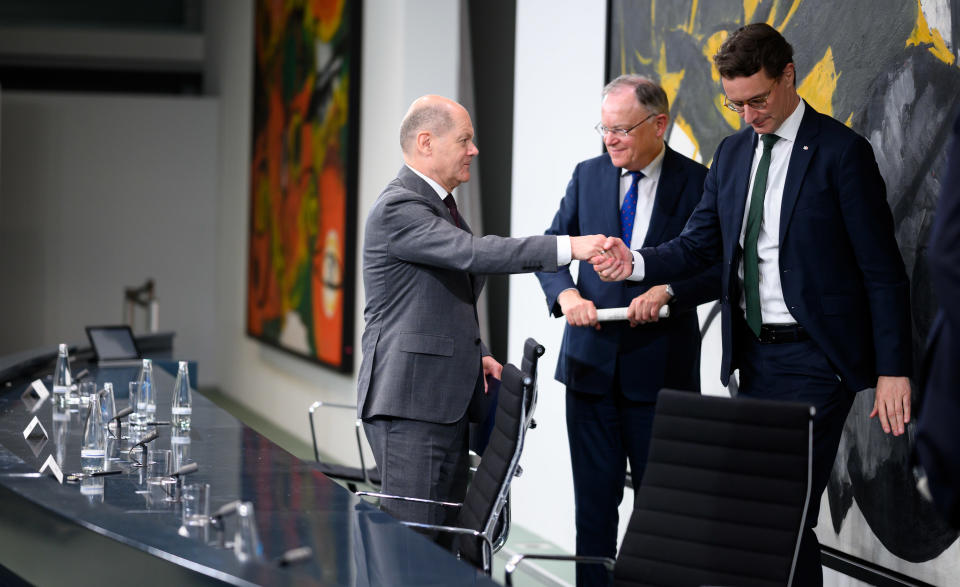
point(420, 459)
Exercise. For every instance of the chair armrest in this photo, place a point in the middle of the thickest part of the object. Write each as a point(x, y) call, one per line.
point(487, 543)
point(313, 434)
point(515, 562)
point(404, 498)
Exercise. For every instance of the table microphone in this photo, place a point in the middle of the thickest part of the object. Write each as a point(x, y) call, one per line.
point(186, 470)
point(150, 437)
point(182, 472)
point(216, 520)
point(122, 414)
point(295, 556)
point(143, 442)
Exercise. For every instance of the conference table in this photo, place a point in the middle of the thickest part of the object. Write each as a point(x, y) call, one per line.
point(120, 529)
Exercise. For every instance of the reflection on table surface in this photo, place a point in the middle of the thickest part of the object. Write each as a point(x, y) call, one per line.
point(293, 504)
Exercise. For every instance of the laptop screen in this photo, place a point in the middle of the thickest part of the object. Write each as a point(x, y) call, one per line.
point(113, 343)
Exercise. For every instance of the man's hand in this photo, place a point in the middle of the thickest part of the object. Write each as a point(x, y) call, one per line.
point(579, 311)
point(615, 263)
point(646, 307)
point(490, 367)
point(583, 248)
point(892, 403)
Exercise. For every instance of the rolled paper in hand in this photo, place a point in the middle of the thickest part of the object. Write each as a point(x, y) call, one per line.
point(613, 314)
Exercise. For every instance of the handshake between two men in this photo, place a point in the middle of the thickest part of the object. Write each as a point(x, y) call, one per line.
point(612, 261)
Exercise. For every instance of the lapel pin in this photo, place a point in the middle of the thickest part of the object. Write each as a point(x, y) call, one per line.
point(806, 148)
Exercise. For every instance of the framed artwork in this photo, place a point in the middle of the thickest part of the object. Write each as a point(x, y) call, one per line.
point(303, 178)
point(894, 78)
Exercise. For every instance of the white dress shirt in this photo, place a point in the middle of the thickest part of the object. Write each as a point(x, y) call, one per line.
point(773, 308)
point(564, 250)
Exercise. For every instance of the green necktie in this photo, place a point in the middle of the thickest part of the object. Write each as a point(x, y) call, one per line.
point(751, 260)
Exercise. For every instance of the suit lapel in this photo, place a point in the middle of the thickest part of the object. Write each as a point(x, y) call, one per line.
point(608, 185)
point(803, 149)
point(743, 159)
point(416, 184)
point(669, 187)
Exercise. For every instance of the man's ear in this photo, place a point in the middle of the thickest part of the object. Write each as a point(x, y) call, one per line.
point(424, 142)
point(792, 70)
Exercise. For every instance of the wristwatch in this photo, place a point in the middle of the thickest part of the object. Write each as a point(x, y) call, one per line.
point(670, 291)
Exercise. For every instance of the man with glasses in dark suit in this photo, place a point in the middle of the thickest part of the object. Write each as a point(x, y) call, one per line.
point(644, 191)
point(815, 298)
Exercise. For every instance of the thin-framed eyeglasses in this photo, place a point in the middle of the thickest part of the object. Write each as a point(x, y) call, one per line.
point(757, 103)
point(621, 132)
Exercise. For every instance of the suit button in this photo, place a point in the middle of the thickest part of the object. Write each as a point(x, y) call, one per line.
point(726, 298)
point(476, 341)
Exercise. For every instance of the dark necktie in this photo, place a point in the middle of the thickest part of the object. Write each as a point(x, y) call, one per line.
point(628, 210)
point(452, 206)
point(751, 258)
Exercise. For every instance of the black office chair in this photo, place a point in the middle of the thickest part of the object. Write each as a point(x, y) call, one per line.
point(346, 473)
point(487, 493)
point(370, 476)
point(724, 496)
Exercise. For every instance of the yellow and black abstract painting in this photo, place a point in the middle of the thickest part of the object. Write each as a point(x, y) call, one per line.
point(889, 70)
point(303, 172)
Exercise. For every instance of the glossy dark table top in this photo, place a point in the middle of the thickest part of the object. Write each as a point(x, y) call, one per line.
point(135, 531)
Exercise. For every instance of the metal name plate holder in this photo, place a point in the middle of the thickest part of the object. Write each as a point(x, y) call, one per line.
point(36, 436)
point(51, 463)
point(35, 395)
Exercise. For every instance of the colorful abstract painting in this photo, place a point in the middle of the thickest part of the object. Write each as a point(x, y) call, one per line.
point(303, 178)
point(889, 70)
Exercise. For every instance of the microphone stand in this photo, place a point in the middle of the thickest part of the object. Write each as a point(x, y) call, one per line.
point(143, 442)
point(121, 414)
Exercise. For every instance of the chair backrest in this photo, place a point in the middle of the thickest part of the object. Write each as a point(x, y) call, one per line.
point(491, 483)
point(724, 494)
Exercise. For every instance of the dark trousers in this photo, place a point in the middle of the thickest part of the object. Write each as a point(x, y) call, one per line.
point(604, 431)
point(420, 459)
point(800, 372)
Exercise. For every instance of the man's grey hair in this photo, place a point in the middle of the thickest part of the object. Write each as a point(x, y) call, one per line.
point(649, 93)
point(435, 118)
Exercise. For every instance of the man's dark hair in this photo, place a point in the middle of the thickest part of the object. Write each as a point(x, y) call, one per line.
point(751, 48)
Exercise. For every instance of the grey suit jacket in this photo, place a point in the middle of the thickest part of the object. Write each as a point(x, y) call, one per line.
point(422, 276)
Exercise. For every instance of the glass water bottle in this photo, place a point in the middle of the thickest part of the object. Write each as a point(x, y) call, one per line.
point(61, 376)
point(182, 399)
point(93, 451)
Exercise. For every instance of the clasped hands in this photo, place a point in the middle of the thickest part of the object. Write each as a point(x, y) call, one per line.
point(612, 261)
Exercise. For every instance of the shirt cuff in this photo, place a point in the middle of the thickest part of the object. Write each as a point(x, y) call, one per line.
point(638, 268)
point(564, 250)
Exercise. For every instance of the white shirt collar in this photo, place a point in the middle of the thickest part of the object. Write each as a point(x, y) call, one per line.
point(788, 130)
point(652, 170)
point(441, 192)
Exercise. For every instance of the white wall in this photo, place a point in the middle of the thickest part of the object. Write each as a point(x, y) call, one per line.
point(98, 193)
point(559, 74)
point(410, 47)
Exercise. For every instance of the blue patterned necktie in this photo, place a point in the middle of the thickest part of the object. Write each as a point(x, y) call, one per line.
point(628, 210)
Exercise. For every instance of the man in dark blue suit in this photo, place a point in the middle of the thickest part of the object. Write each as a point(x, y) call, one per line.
point(644, 191)
point(815, 298)
point(938, 439)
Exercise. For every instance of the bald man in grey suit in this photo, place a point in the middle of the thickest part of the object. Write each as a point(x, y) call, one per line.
point(423, 269)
